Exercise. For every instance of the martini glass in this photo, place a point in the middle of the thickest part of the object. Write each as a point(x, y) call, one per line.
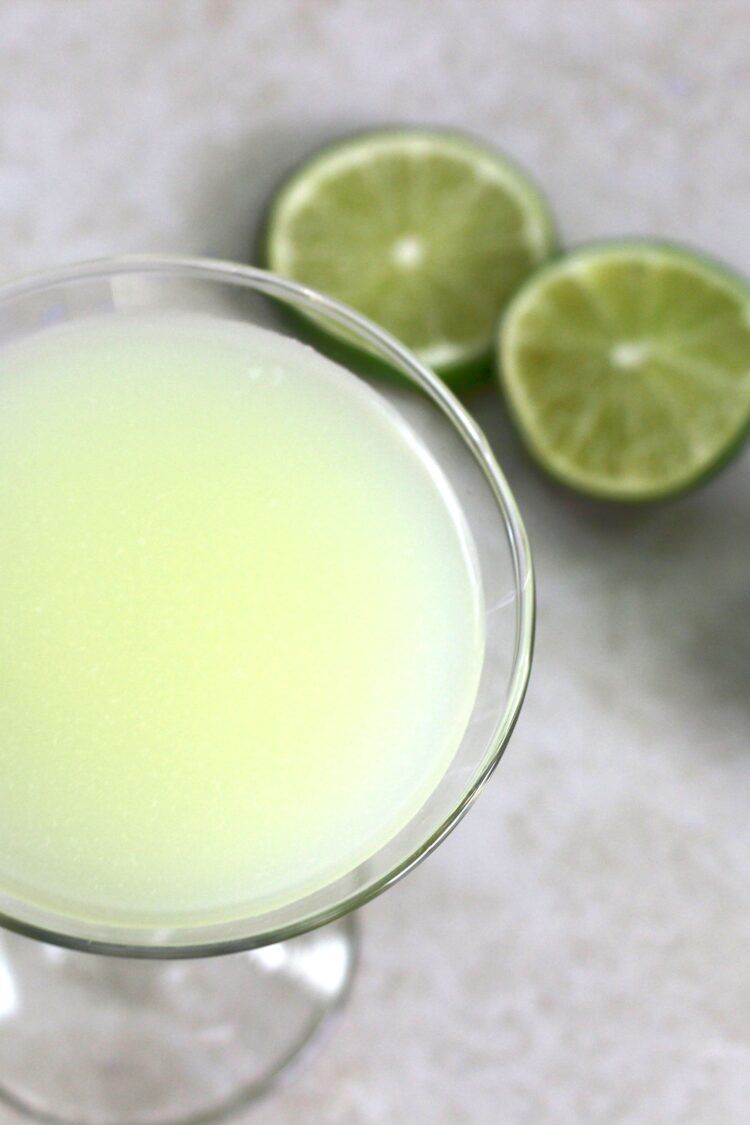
point(103, 1024)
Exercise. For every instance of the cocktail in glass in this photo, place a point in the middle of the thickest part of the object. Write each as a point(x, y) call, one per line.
point(267, 630)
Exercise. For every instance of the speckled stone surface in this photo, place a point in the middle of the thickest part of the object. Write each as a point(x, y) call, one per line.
point(577, 952)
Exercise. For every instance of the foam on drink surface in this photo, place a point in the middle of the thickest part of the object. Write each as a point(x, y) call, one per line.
point(240, 623)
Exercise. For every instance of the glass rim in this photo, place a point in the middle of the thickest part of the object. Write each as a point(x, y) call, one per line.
point(272, 285)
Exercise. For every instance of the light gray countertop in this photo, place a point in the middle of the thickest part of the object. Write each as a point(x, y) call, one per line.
point(576, 953)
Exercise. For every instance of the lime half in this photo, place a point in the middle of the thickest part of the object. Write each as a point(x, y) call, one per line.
point(627, 368)
point(427, 233)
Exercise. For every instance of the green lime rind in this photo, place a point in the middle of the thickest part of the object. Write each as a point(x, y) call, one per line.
point(425, 231)
point(626, 368)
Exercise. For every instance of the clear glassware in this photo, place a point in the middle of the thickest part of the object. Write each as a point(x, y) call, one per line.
point(165, 1030)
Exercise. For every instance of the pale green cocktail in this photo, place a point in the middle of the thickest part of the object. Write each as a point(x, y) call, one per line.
point(240, 620)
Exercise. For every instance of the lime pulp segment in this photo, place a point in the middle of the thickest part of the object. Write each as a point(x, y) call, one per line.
point(627, 368)
point(426, 233)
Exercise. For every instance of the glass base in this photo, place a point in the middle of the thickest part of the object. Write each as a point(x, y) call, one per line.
point(92, 1040)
